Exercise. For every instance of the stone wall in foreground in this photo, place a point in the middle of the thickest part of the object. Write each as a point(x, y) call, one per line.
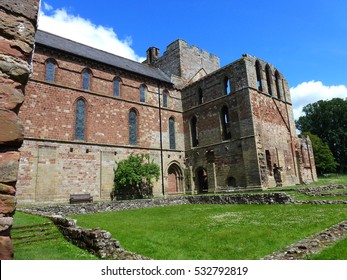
point(17, 30)
point(96, 241)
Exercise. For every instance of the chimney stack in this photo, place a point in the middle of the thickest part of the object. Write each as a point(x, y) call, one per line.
point(152, 55)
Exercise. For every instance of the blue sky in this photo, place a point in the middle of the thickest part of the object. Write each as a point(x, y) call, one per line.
point(305, 40)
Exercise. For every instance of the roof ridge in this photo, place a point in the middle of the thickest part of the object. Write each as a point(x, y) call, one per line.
point(64, 44)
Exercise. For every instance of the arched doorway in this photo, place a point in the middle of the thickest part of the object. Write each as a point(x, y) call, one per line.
point(231, 182)
point(201, 180)
point(175, 179)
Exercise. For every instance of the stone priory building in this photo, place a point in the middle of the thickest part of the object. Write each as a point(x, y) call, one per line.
point(211, 129)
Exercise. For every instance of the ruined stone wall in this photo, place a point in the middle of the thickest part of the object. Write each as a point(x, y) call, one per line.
point(262, 135)
point(96, 241)
point(18, 27)
point(277, 141)
point(54, 165)
point(306, 162)
point(229, 162)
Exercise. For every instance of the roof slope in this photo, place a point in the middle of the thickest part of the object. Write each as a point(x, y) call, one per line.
point(60, 43)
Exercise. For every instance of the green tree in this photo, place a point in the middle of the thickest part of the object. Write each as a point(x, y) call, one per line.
point(328, 120)
point(133, 177)
point(323, 157)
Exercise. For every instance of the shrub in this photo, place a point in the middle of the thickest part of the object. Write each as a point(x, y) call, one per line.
point(133, 177)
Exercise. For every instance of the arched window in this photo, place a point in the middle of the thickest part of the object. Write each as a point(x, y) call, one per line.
point(165, 97)
point(227, 86)
point(194, 132)
point(80, 119)
point(132, 127)
point(142, 93)
point(278, 84)
point(50, 69)
point(116, 87)
point(200, 96)
point(172, 133)
point(86, 79)
point(268, 79)
point(225, 121)
point(258, 70)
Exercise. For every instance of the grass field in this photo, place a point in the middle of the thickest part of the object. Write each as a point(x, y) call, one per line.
point(214, 231)
point(204, 231)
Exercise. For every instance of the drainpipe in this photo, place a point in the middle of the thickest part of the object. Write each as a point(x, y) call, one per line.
point(161, 144)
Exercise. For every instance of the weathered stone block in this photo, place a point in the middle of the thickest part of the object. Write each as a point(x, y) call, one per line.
point(5, 225)
point(19, 29)
point(6, 47)
point(11, 129)
point(7, 204)
point(17, 70)
point(10, 97)
point(28, 8)
point(6, 189)
point(6, 248)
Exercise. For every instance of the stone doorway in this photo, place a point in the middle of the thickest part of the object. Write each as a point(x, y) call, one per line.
point(175, 179)
point(201, 180)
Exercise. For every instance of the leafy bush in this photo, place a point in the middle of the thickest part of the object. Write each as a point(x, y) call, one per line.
point(133, 177)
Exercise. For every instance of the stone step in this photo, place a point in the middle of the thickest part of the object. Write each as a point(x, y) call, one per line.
point(34, 233)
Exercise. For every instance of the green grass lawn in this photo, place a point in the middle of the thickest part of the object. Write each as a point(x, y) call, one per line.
point(214, 231)
point(336, 179)
point(57, 249)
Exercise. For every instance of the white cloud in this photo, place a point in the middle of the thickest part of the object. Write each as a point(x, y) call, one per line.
point(47, 7)
point(76, 28)
point(313, 91)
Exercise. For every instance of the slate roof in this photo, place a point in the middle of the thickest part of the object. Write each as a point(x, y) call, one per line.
point(63, 44)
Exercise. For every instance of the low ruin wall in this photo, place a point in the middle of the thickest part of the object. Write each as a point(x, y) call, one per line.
point(96, 241)
point(118, 205)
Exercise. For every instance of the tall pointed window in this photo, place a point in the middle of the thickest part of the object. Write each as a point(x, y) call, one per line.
point(132, 127)
point(268, 79)
point(172, 133)
point(200, 96)
point(142, 93)
point(86, 79)
point(50, 69)
point(116, 87)
point(225, 122)
point(80, 120)
point(194, 132)
point(165, 95)
point(278, 84)
point(227, 86)
point(258, 70)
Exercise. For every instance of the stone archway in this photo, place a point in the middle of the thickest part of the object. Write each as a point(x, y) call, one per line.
point(201, 180)
point(175, 179)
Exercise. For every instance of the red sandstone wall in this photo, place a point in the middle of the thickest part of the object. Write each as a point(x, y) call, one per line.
point(107, 118)
point(53, 165)
point(18, 27)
